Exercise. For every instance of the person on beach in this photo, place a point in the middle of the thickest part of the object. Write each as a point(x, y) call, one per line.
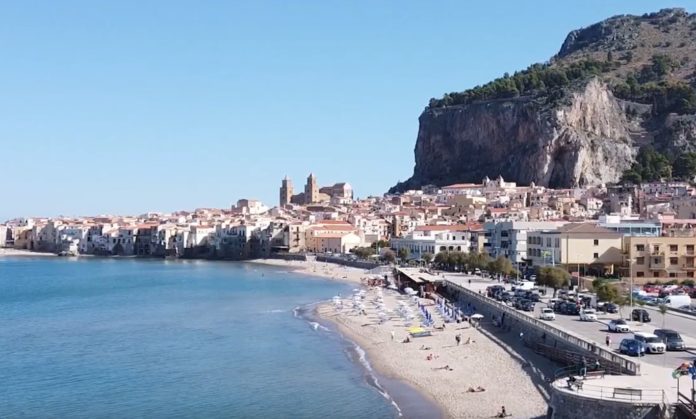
point(392, 334)
point(608, 340)
point(458, 338)
point(503, 412)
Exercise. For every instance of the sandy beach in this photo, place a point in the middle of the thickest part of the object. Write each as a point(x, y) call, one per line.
point(482, 363)
point(321, 269)
point(18, 252)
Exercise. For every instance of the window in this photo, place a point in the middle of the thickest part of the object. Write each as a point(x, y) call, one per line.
point(640, 274)
point(656, 248)
point(656, 261)
point(595, 255)
point(596, 242)
point(640, 248)
point(690, 248)
point(690, 274)
point(673, 247)
point(672, 274)
point(673, 261)
point(640, 261)
point(656, 274)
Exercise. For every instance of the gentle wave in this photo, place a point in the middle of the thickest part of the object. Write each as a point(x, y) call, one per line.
point(300, 312)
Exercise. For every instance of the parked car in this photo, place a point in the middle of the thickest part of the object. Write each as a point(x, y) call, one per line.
point(653, 344)
point(570, 308)
point(588, 315)
point(671, 338)
point(547, 314)
point(619, 326)
point(632, 347)
point(640, 315)
point(611, 308)
point(527, 305)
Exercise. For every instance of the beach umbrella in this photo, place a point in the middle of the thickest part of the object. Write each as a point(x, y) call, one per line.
point(477, 316)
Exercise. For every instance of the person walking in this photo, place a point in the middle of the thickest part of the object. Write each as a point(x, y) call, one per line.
point(392, 334)
point(458, 338)
point(608, 340)
point(583, 367)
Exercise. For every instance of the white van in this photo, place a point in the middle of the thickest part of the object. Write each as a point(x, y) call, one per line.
point(525, 285)
point(676, 301)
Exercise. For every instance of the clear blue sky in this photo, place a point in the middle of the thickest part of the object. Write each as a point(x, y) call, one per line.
point(130, 106)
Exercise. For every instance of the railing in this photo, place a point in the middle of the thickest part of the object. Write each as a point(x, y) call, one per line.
point(649, 396)
point(686, 405)
point(627, 366)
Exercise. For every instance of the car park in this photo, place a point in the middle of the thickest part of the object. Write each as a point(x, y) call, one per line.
point(671, 338)
point(588, 315)
point(640, 315)
point(632, 347)
point(618, 326)
point(547, 314)
point(653, 344)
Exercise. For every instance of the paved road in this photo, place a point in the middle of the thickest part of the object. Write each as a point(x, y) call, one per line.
point(597, 331)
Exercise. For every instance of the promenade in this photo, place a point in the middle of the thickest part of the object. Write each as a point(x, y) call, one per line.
point(655, 380)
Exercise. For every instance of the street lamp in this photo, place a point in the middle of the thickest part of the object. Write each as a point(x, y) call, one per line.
point(630, 273)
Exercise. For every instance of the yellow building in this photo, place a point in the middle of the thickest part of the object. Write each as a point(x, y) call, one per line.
point(576, 244)
point(659, 258)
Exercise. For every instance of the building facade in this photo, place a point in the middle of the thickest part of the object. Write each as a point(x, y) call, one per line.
point(659, 258)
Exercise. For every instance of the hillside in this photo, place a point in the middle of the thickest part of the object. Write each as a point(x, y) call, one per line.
point(619, 95)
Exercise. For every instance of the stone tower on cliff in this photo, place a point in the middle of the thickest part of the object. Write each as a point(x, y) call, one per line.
point(311, 191)
point(285, 191)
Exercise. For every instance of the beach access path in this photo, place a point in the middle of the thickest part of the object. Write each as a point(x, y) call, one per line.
point(502, 369)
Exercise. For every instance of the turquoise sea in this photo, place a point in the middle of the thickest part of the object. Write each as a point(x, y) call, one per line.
point(129, 338)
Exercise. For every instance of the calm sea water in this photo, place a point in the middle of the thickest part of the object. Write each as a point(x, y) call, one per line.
point(132, 338)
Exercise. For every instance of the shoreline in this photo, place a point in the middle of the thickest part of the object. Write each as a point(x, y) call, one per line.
point(504, 381)
point(407, 400)
point(324, 270)
point(22, 252)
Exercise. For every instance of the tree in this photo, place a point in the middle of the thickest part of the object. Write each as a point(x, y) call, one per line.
point(389, 256)
point(553, 277)
point(403, 253)
point(501, 265)
point(379, 244)
point(605, 290)
point(441, 258)
point(663, 311)
point(363, 252)
point(684, 166)
point(478, 260)
point(427, 257)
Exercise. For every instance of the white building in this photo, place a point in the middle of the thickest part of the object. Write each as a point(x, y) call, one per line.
point(509, 238)
point(433, 239)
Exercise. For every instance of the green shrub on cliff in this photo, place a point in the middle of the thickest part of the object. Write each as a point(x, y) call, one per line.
point(650, 166)
point(537, 79)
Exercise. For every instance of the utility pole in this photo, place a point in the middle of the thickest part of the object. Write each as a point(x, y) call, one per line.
point(630, 272)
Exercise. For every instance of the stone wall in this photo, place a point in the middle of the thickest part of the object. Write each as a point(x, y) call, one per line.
point(565, 405)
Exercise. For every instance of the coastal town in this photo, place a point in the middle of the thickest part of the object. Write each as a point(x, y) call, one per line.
point(645, 232)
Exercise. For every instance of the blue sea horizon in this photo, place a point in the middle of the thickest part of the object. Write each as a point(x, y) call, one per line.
point(151, 338)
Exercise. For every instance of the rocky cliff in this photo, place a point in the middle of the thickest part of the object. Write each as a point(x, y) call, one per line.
point(579, 119)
